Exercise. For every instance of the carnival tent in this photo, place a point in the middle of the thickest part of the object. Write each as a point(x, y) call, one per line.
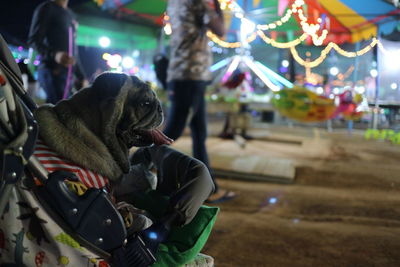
point(345, 20)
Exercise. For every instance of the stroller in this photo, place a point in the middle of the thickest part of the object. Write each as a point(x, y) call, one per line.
point(85, 230)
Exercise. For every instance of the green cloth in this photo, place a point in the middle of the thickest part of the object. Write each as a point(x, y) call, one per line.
point(183, 243)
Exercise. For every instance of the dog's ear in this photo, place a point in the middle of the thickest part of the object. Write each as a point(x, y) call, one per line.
point(109, 84)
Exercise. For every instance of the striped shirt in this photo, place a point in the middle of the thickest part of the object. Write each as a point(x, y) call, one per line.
point(54, 162)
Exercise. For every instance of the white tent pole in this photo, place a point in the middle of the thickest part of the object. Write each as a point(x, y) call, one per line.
point(377, 85)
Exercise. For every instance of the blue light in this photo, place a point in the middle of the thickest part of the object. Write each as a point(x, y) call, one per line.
point(273, 200)
point(219, 64)
point(271, 74)
point(153, 235)
point(283, 69)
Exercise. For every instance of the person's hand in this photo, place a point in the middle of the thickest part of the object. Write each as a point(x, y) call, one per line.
point(85, 83)
point(64, 59)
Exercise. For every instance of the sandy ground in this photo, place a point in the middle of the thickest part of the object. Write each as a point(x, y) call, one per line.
point(342, 210)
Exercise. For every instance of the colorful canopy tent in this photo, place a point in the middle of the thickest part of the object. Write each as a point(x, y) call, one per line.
point(346, 20)
point(353, 21)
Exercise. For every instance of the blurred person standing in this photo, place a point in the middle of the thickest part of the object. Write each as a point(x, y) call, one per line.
point(189, 75)
point(52, 35)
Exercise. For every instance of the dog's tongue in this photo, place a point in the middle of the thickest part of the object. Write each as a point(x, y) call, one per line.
point(158, 138)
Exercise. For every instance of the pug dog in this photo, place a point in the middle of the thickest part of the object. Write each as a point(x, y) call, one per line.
point(98, 125)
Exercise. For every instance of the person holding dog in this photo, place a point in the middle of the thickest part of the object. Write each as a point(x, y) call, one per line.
point(189, 75)
point(52, 35)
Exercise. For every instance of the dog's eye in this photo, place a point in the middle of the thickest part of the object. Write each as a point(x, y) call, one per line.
point(145, 103)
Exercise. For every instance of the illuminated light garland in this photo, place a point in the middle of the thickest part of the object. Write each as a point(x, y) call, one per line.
point(309, 29)
point(307, 63)
point(167, 28)
point(318, 40)
point(283, 19)
point(225, 44)
point(274, 43)
point(312, 29)
point(357, 53)
point(327, 49)
point(167, 25)
point(224, 5)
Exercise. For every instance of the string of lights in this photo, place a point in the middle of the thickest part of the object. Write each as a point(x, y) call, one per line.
point(274, 43)
point(307, 63)
point(225, 44)
point(308, 29)
point(312, 29)
point(297, 4)
point(226, 4)
point(314, 63)
point(360, 52)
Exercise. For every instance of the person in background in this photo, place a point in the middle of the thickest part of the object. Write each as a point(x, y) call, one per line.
point(52, 34)
point(189, 75)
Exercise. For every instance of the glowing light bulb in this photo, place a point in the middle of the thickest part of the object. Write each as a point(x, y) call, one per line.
point(334, 71)
point(104, 41)
point(320, 90)
point(285, 63)
point(128, 62)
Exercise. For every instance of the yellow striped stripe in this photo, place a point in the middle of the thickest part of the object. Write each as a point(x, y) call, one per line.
point(336, 7)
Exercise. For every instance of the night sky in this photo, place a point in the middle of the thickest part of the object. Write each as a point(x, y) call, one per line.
point(15, 20)
point(16, 16)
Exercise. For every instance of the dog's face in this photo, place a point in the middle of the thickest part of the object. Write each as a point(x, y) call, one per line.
point(141, 115)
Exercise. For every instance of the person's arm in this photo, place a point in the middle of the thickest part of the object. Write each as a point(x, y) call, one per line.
point(37, 32)
point(80, 74)
point(216, 23)
point(37, 35)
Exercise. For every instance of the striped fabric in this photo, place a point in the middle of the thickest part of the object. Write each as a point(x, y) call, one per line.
point(53, 162)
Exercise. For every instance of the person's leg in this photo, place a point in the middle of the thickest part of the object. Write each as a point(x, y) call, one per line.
point(46, 82)
point(198, 126)
point(53, 83)
point(198, 122)
point(60, 82)
point(192, 99)
point(185, 179)
point(179, 96)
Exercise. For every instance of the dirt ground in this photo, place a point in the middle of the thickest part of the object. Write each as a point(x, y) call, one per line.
point(343, 208)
